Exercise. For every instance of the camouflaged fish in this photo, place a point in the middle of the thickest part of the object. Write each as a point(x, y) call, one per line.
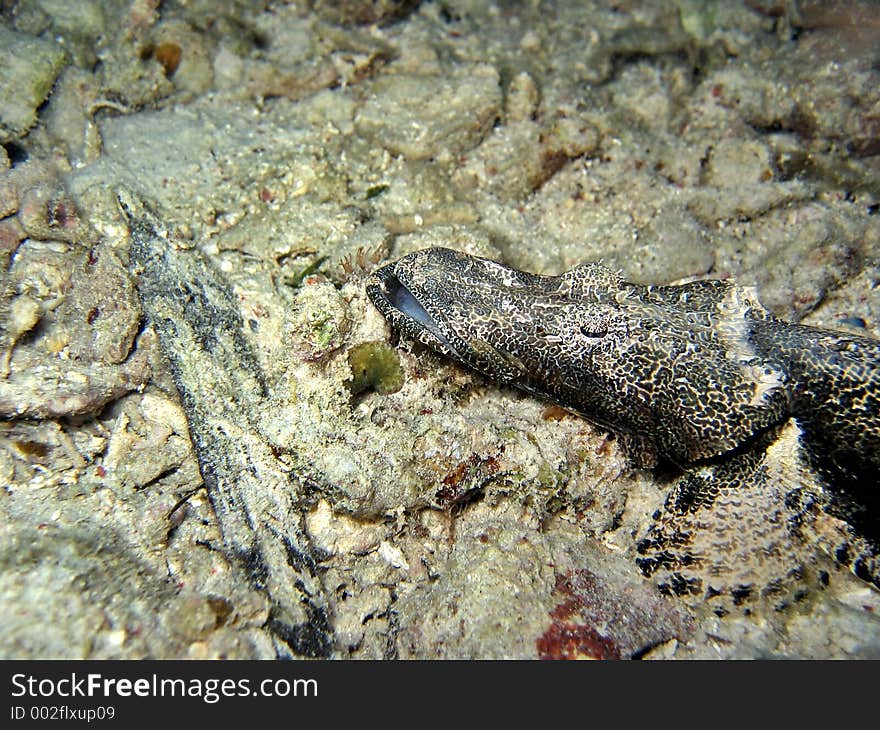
point(776, 425)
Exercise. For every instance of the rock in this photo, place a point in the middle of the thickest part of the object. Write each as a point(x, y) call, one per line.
point(30, 66)
point(11, 235)
point(319, 321)
point(425, 116)
point(518, 158)
point(68, 115)
point(364, 12)
point(49, 213)
point(671, 246)
point(508, 591)
point(50, 388)
point(102, 313)
point(522, 98)
point(736, 162)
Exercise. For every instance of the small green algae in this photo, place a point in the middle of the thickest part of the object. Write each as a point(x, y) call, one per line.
point(375, 365)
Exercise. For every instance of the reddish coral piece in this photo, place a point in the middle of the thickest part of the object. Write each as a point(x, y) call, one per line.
point(570, 641)
point(602, 620)
point(467, 479)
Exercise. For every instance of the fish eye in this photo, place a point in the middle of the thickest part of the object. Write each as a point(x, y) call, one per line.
point(596, 332)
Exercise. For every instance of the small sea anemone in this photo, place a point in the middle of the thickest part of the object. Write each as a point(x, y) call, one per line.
point(374, 365)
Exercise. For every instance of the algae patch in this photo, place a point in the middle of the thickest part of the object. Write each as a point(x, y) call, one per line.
point(374, 365)
point(319, 321)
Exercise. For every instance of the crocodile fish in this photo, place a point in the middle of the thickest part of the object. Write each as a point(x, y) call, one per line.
point(773, 428)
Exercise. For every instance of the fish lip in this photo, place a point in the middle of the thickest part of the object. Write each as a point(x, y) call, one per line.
point(388, 291)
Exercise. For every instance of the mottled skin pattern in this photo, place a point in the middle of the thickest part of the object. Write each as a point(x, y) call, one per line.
point(766, 415)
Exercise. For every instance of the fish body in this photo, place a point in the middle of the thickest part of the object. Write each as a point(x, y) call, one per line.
point(699, 374)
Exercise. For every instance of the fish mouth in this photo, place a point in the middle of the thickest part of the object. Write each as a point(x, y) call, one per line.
point(403, 310)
